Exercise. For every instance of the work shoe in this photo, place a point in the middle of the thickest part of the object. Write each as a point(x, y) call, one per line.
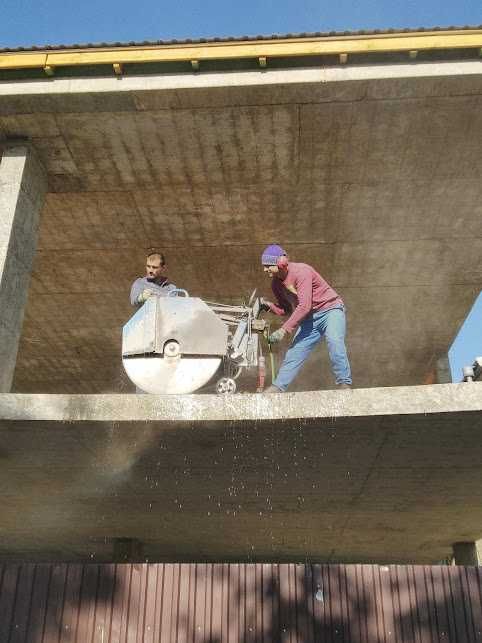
point(343, 386)
point(272, 389)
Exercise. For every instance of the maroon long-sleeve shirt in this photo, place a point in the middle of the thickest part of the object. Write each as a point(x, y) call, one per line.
point(302, 291)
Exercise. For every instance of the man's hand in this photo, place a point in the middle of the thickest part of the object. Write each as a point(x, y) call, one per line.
point(264, 304)
point(277, 336)
point(144, 296)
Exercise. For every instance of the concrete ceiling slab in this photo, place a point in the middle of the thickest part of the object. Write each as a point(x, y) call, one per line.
point(370, 173)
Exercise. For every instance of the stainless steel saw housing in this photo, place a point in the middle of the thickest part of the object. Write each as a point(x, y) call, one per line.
point(186, 320)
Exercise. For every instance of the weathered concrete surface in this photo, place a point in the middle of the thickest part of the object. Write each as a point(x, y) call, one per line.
point(23, 183)
point(380, 475)
point(371, 173)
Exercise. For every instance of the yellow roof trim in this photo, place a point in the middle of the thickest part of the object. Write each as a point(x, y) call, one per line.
point(248, 49)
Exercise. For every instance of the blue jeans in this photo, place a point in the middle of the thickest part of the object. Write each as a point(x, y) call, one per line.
point(322, 323)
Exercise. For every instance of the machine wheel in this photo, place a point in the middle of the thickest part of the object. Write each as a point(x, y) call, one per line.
point(225, 385)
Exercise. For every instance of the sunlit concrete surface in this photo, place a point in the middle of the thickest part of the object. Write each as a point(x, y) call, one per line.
point(386, 475)
point(371, 173)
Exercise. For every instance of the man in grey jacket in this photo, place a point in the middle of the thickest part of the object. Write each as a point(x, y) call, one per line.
point(155, 283)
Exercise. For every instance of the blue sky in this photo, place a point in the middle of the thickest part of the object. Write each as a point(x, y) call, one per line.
point(40, 22)
point(468, 343)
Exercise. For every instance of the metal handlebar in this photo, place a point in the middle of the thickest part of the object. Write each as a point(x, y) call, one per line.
point(178, 292)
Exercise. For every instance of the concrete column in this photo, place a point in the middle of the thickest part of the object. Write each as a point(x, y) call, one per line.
point(23, 184)
point(443, 371)
point(465, 553)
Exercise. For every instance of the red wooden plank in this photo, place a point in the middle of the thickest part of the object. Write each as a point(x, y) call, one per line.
point(232, 610)
point(473, 600)
point(440, 604)
point(167, 629)
point(370, 578)
point(199, 605)
point(217, 603)
point(461, 630)
point(308, 602)
point(386, 606)
point(133, 615)
point(38, 605)
point(265, 622)
point(103, 603)
point(182, 607)
point(8, 597)
point(406, 616)
point(424, 601)
point(120, 602)
point(285, 615)
point(70, 616)
point(251, 602)
point(239, 603)
point(378, 614)
point(150, 604)
point(19, 625)
point(55, 602)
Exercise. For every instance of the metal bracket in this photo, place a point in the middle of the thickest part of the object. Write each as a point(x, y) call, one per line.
point(473, 373)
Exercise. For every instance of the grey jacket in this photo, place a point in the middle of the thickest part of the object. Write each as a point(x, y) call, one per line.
point(161, 290)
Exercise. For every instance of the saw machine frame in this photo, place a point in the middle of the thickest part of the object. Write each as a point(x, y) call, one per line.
point(178, 344)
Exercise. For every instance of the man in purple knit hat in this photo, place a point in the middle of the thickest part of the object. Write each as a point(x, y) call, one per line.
point(315, 312)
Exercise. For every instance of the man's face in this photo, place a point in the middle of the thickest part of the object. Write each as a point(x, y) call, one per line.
point(154, 268)
point(271, 271)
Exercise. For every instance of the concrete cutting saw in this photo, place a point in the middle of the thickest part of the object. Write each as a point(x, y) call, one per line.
point(178, 344)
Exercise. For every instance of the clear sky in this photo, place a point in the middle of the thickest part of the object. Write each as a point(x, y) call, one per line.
point(468, 343)
point(42, 22)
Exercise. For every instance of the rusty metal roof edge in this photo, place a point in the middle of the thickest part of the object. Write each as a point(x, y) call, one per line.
point(238, 39)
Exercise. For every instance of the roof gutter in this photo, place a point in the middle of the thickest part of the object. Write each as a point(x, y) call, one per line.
point(263, 50)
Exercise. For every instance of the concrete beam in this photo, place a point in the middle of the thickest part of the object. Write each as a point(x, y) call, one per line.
point(61, 92)
point(466, 554)
point(23, 184)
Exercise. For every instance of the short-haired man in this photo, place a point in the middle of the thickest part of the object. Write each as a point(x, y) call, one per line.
point(154, 283)
point(315, 311)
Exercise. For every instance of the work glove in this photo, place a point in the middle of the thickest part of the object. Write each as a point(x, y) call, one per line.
point(264, 304)
point(144, 296)
point(277, 336)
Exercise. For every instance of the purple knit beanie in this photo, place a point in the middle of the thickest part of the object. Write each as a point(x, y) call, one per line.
point(271, 254)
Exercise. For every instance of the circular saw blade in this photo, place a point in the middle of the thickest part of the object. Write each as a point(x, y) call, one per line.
point(164, 376)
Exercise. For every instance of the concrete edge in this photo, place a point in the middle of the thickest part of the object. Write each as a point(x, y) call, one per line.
point(209, 80)
point(409, 400)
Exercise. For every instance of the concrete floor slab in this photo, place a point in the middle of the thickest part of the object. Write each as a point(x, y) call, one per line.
point(386, 475)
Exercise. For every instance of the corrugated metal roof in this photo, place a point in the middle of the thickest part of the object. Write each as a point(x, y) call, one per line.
point(191, 41)
point(217, 603)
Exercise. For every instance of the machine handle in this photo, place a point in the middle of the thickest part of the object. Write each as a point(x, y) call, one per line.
point(178, 292)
